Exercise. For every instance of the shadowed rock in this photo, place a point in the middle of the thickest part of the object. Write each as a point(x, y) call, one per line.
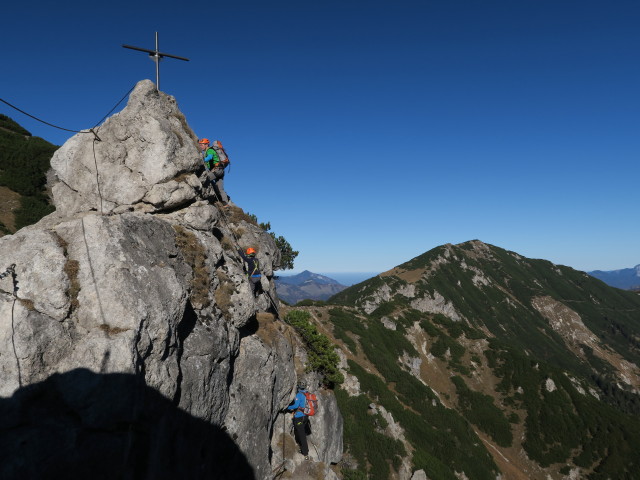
point(80, 425)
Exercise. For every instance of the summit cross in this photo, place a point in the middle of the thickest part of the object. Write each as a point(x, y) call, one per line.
point(156, 56)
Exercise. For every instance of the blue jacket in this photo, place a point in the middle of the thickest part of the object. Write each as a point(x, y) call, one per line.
point(299, 402)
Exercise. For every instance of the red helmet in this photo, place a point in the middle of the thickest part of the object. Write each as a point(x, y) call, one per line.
point(251, 251)
point(204, 141)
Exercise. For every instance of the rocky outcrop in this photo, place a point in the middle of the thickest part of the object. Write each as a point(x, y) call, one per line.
point(325, 447)
point(129, 342)
point(142, 158)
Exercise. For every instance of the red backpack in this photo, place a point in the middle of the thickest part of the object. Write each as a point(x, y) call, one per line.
point(311, 404)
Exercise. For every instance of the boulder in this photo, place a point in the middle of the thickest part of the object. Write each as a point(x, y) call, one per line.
point(144, 154)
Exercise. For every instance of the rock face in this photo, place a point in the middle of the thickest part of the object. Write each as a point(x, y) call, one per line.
point(129, 345)
point(138, 160)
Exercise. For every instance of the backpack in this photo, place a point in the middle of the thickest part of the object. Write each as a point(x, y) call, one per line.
point(222, 155)
point(311, 404)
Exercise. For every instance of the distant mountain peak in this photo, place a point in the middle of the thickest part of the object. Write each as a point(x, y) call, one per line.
point(306, 286)
point(625, 278)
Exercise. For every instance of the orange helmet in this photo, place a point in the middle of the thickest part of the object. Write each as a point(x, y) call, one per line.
point(204, 140)
point(251, 251)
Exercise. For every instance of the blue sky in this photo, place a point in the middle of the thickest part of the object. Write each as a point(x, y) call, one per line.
point(368, 132)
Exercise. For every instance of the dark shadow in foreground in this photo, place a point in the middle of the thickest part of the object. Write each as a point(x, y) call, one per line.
point(81, 425)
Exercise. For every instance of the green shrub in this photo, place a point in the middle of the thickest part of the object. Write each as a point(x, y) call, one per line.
point(321, 352)
point(565, 421)
point(480, 410)
point(31, 210)
point(443, 441)
point(373, 450)
point(310, 303)
point(8, 124)
point(24, 161)
point(349, 474)
point(344, 321)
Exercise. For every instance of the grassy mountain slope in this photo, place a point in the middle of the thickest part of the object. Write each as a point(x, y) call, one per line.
point(24, 161)
point(488, 362)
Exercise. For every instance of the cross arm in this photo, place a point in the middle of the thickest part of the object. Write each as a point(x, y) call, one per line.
point(154, 53)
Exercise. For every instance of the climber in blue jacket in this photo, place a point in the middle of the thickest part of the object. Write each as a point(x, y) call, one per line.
point(300, 420)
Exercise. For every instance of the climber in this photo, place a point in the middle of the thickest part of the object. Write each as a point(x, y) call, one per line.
point(301, 425)
point(253, 270)
point(215, 170)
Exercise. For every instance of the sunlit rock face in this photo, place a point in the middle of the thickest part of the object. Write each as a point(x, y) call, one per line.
point(129, 340)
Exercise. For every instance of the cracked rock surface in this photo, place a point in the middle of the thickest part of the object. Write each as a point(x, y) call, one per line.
point(139, 158)
point(128, 343)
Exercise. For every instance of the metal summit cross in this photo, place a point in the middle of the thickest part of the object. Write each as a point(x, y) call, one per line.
point(156, 57)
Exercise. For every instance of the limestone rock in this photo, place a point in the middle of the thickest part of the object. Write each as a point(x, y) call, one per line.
point(325, 424)
point(141, 152)
point(130, 345)
point(251, 414)
point(419, 475)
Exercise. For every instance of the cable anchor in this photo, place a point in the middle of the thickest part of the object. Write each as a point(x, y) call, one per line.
point(9, 271)
point(96, 135)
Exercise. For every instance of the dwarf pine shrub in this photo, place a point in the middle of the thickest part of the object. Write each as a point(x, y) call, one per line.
point(321, 352)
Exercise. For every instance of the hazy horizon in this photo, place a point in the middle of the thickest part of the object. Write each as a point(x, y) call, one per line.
point(343, 278)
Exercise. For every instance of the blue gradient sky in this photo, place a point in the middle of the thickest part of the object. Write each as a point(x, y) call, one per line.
point(369, 132)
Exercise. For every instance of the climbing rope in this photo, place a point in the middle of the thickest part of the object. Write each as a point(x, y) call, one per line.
point(95, 158)
point(12, 271)
point(95, 161)
point(237, 245)
point(115, 106)
point(93, 130)
point(314, 447)
point(46, 123)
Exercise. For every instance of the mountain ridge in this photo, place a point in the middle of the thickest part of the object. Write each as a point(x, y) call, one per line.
point(510, 346)
point(306, 286)
point(306, 276)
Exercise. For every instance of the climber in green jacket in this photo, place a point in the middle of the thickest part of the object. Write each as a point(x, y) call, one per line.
point(215, 170)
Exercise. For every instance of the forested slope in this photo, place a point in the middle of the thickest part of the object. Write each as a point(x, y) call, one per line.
point(24, 162)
